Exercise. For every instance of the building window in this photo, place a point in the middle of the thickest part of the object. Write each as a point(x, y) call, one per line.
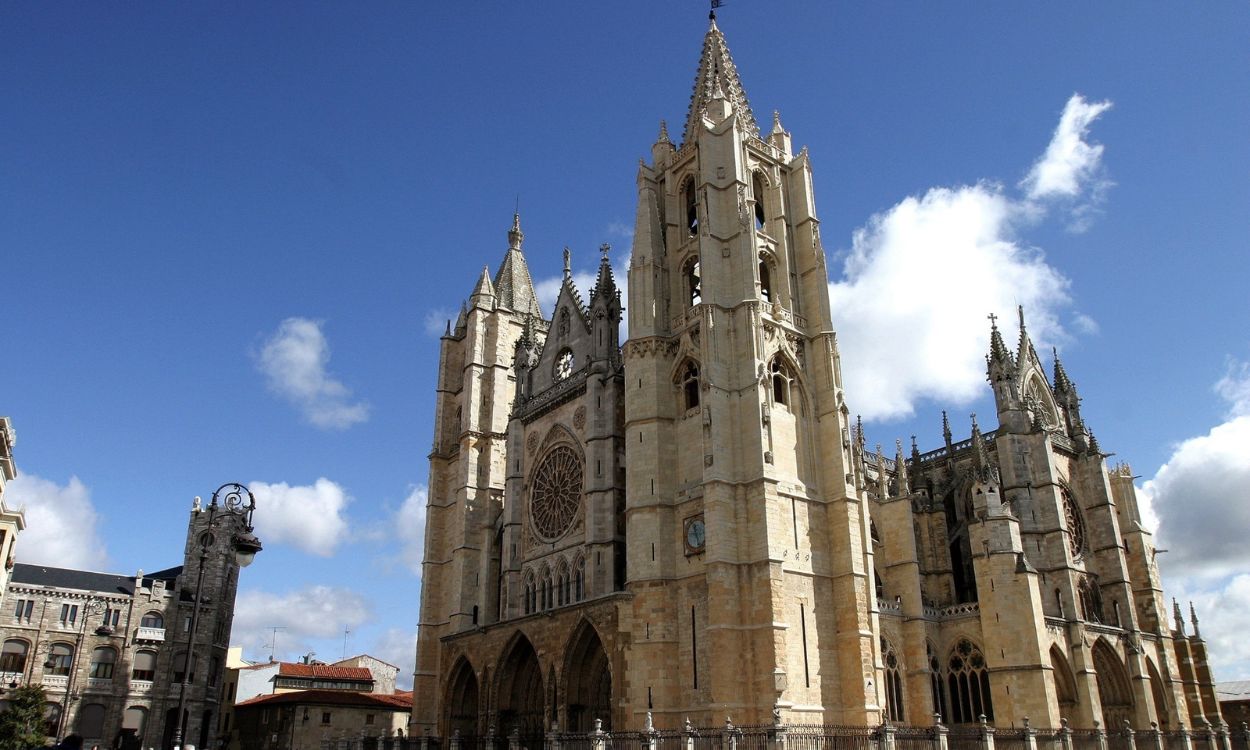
point(24, 609)
point(186, 623)
point(757, 187)
point(368, 718)
point(781, 382)
point(69, 615)
point(91, 720)
point(325, 717)
point(968, 681)
point(102, 661)
point(766, 280)
point(690, 386)
point(564, 365)
point(692, 281)
point(692, 206)
point(13, 658)
point(144, 666)
point(580, 583)
point(152, 620)
point(935, 683)
point(51, 718)
point(112, 615)
point(893, 683)
point(60, 658)
point(180, 664)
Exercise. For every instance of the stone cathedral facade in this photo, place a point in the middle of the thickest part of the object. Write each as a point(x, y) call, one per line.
point(690, 525)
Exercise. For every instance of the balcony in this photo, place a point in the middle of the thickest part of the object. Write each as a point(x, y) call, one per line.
point(150, 634)
point(55, 680)
point(140, 686)
point(99, 683)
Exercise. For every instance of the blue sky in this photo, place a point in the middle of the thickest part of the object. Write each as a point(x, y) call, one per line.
point(230, 233)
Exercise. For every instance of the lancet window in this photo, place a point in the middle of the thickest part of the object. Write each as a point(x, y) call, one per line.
point(691, 201)
point(968, 681)
point(893, 682)
point(757, 188)
point(766, 279)
point(692, 282)
point(690, 386)
point(782, 381)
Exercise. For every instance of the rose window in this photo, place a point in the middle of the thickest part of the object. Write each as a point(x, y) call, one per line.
point(557, 493)
point(1076, 526)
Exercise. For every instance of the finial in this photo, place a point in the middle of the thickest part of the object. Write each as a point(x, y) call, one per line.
point(1193, 618)
point(1176, 613)
point(605, 248)
point(663, 137)
point(1020, 312)
point(975, 428)
point(993, 321)
point(777, 122)
point(515, 235)
point(568, 261)
point(946, 428)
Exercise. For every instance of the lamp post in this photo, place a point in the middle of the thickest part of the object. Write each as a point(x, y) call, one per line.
point(236, 504)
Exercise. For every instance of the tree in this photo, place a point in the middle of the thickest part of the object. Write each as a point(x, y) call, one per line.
point(22, 724)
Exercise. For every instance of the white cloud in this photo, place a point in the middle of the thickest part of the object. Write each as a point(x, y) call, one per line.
point(1197, 502)
point(399, 647)
point(308, 517)
point(302, 616)
point(548, 290)
point(1071, 164)
point(409, 529)
point(917, 285)
point(921, 277)
point(620, 229)
point(294, 362)
point(436, 321)
point(61, 524)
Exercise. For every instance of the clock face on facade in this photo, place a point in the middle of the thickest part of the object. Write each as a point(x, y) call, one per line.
point(556, 493)
point(564, 365)
point(696, 534)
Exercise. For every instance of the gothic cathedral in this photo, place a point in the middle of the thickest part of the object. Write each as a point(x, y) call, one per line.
point(689, 526)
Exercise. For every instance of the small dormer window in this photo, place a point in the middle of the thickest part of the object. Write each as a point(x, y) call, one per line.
point(564, 365)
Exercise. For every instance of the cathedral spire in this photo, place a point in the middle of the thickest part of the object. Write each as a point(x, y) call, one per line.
point(999, 358)
point(605, 282)
point(717, 74)
point(900, 470)
point(514, 289)
point(484, 292)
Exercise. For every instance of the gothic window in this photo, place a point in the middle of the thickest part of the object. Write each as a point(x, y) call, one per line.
point(557, 492)
point(1075, 523)
point(529, 594)
point(581, 578)
point(935, 682)
point(691, 281)
point(60, 657)
point(781, 382)
point(893, 682)
point(757, 187)
point(144, 669)
point(13, 657)
point(1091, 599)
point(879, 585)
point(564, 365)
point(1036, 399)
point(968, 680)
point(766, 280)
point(102, 661)
point(692, 206)
point(690, 386)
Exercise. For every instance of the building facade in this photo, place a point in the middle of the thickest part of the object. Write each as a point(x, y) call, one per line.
point(690, 526)
point(313, 719)
point(110, 649)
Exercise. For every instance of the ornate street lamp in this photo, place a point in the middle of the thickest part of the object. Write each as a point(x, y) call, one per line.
point(231, 501)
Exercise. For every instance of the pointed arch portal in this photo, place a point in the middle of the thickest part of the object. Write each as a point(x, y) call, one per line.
point(588, 682)
point(1114, 690)
point(462, 701)
point(521, 691)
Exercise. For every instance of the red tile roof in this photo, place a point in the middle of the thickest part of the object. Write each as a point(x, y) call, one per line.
point(324, 672)
point(398, 702)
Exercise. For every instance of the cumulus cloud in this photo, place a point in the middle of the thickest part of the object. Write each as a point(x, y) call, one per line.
point(302, 616)
point(920, 278)
point(308, 517)
point(1070, 164)
point(436, 321)
point(1196, 500)
point(399, 647)
point(294, 362)
point(62, 526)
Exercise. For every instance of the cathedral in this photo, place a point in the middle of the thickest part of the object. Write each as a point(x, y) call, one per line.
point(690, 525)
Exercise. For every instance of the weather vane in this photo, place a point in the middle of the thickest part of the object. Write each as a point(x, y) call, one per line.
point(715, 4)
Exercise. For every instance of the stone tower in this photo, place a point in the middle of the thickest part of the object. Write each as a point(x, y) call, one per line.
point(743, 521)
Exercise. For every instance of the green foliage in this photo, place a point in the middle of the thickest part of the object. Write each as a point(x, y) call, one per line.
point(21, 726)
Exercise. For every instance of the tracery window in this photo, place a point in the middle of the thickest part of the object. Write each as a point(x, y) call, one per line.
point(781, 382)
point(564, 365)
point(557, 492)
point(1091, 599)
point(893, 682)
point(690, 385)
point(968, 680)
point(580, 583)
point(935, 682)
point(1075, 523)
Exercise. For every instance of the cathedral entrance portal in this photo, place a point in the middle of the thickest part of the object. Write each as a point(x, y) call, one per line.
point(521, 691)
point(462, 702)
point(588, 682)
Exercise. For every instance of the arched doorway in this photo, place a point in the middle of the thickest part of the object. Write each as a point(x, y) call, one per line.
point(521, 693)
point(462, 701)
point(1113, 687)
point(1065, 683)
point(1157, 692)
point(587, 681)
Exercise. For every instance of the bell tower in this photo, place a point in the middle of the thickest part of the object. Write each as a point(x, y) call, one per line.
point(748, 551)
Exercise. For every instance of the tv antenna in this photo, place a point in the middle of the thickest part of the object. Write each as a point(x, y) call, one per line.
point(273, 642)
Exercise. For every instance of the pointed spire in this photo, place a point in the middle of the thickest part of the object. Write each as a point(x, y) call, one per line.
point(717, 71)
point(1193, 618)
point(605, 282)
point(1063, 384)
point(462, 319)
point(980, 453)
point(777, 129)
point(859, 432)
point(1180, 619)
point(915, 451)
point(946, 429)
point(663, 137)
point(883, 483)
point(1025, 347)
point(900, 470)
point(998, 349)
point(514, 288)
point(484, 290)
point(568, 263)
